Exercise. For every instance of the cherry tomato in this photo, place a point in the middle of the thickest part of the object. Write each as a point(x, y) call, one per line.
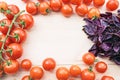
point(93, 12)
point(87, 2)
point(31, 7)
point(75, 70)
point(3, 6)
point(25, 1)
point(25, 21)
point(107, 78)
point(101, 67)
point(26, 77)
point(65, 1)
point(112, 5)
point(86, 74)
point(44, 8)
point(67, 10)
point(18, 35)
point(12, 10)
point(81, 10)
point(88, 58)
point(75, 2)
point(62, 73)
point(11, 66)
point(98, 3)
point(55, 5)
point(14, 51)
point(36, 72)
point(26, 64)
point(49, 64)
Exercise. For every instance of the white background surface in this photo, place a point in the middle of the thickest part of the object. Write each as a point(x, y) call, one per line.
point(60, 38)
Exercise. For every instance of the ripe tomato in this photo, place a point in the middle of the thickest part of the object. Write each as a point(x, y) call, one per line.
point(75, 70)
point(49, 64)
point(86, 74)
point(31, 8)
point(87, 2)
point(88, 58)
point(12, 10)
point(107, 78)
point(14, 51)
point(26, 64)
point(3, 6)
point(25, 1)
point(93, 12)
point(75, 2)
point(44, 8)
point(67, 10)
point(27, 77)
point(36, 72)
point(55, 5)
point(25, 21)
point(81, 10)
point(11, 66)
point(112, 5)
point(65, 1)
point(101, 67)
point(62, 73)
point(98, 3)
point(18, 35)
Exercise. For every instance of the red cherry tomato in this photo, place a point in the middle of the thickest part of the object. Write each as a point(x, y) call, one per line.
point(98, 3)
point(18, 35)
point(62, 73)
point(81, 10)
point(67, 10)
point(65, 1)
point(11, 66)
point(26, 64)
point(112, 5)
point(75, 2)
point(31, 7)
point(36, 72)
point(56, 5)
point(49, 64)
point(25, 21)
point(14, 51)
point(107, 78)
point(3, 6)
point(87, 2)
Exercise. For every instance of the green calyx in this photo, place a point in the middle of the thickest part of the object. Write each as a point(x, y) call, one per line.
point(8, 11)
point(2, 24)
point(9, 51)
point(16, 36)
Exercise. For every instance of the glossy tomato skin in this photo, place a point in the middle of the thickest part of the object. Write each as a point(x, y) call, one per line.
point(12, 67)
point(44, 8)
point(15, 52)
point(62, 73)
point(12, 10)
point(87, 75)
point(98, 3)
point(25, 21)
point(31, 8)
point(26, 64)
point(76, 2)
point(101, 67)
point(81, 10)
point(67, 10)
point(107, 78)
point(87, 2)
point(3, 5)
point(18, 35)
point(55, 5)
point(75, 70)
point(49, 64)
point(36, 72)
point(88, 58)
point(110, 3)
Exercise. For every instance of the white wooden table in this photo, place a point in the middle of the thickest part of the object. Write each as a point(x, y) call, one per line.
point(60, 38)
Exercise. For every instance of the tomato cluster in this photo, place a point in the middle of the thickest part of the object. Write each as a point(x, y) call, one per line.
point(66, 7)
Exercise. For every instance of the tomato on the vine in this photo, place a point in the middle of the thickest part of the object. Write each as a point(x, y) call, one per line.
point(26, 64)
point(107, 78)
point(101, 67)
point(36, 72)
point(3, 6)
point(81, 10)
point(49, 64)
point(12, 10)
point(18, 35)
point(87, 2)
point(62, 73)
point(55, 5)
point(112, 5)
point(76, 2)
point(25, 21)
point(98, 3)
point(67, 10)
point(14, 51)
point(11, 66)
